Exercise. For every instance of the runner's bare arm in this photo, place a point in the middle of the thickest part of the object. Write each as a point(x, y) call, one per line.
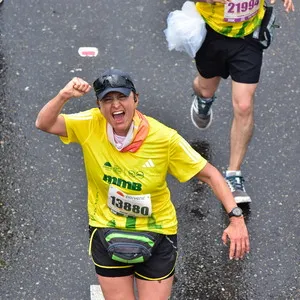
point(210, 175)
point(237, 231)
point(49, 118)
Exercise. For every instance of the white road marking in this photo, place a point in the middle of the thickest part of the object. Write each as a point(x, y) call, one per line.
point(96, 292)
point(88, 51)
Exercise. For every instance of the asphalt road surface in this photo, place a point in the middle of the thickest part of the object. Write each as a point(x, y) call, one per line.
point(43, 221)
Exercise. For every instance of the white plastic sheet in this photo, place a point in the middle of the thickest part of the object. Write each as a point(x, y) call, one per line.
point(185, 29)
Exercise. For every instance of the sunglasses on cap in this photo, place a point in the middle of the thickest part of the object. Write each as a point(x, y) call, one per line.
point(112, 81)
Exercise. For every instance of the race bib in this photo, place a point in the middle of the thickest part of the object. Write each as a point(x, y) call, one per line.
point(129, 205)
point(240, 10)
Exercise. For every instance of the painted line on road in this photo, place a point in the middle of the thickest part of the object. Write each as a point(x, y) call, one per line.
point(96, 292)
point(88, 51)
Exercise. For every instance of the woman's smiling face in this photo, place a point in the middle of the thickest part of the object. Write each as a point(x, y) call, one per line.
point(118, 110)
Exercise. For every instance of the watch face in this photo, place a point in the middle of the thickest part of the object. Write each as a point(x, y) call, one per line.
point(237, 211)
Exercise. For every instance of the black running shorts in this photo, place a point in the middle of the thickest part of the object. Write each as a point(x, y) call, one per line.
point(219, 55)
point(161, 264)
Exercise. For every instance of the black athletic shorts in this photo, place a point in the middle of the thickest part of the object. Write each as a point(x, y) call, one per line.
point(161, 264)
point(219, 55)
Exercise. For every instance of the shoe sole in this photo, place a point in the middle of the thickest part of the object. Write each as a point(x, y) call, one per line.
point(195, 124)
point(239, 200)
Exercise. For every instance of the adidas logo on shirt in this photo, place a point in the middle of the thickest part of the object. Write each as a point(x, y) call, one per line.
point(149, 164)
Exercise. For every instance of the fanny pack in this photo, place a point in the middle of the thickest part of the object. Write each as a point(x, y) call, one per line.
point(129, 246)
point(264, 33)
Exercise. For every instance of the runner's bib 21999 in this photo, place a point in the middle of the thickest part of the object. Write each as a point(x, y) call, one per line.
point(240, 10)
point(126, 205)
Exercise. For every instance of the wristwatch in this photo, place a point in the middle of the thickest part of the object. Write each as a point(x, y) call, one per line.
point(236, 212)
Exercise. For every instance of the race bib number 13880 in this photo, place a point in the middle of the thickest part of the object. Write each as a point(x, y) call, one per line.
point(129, 205)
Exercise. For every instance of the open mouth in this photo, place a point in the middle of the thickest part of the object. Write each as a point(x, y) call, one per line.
point(118, 116)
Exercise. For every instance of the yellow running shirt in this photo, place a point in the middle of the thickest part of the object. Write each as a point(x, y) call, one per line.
point(233, 19)
point(129, 190)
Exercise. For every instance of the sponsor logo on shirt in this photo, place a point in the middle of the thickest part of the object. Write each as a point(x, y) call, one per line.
point(149, 164)
point(134, 186)
point(137, 174)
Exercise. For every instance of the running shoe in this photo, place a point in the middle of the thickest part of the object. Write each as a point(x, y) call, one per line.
point(1, 1)
point(201, 112)
point(236, 185)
